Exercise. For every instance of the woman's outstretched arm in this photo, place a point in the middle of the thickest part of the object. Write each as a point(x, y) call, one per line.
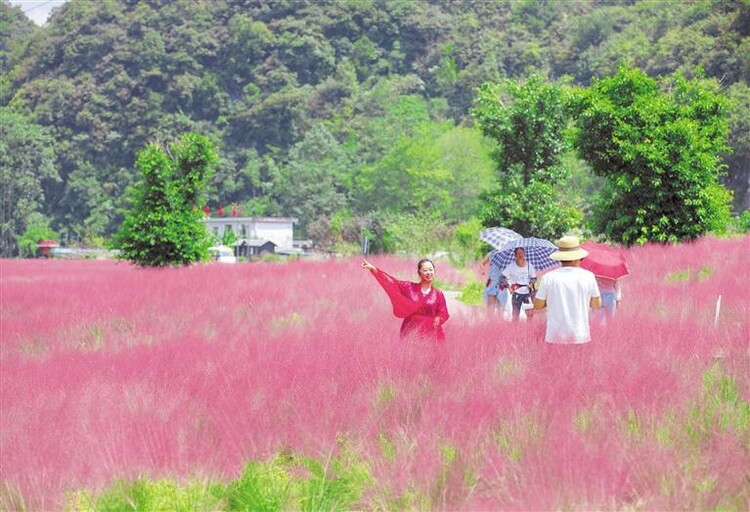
point(368, 266)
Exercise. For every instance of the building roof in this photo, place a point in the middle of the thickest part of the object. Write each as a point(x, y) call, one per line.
point(291, 251)
point(253, 242)
point(226, 219)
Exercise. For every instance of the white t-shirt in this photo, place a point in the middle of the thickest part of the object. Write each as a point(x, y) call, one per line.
point(568, 292)
point(520, 275)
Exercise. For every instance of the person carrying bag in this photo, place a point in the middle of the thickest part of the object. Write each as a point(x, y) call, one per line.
point(520, 275)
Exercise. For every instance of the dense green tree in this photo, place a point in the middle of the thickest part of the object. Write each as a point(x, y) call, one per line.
point(89, 208)
point(164, 226)
point(385, 112)
point(15, 34)
point(528, 121)
point(26, 161)
point(738, 159)
point(412, 233)
point(659, 149)
point(339, 233)
point(37, 228)
point(465, 156)
point(534, 210)
point(314, 181)
point(439, 168)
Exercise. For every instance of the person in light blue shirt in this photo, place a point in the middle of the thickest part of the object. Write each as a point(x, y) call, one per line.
point(611, 297)
point(495, 295)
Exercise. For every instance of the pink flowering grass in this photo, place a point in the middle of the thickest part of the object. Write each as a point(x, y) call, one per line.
point(111, 372)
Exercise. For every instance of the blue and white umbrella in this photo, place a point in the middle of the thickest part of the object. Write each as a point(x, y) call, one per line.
point(498, 237)
point(537, 250)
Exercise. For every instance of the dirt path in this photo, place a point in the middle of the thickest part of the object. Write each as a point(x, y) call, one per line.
point(470, 314)
point(458, 309)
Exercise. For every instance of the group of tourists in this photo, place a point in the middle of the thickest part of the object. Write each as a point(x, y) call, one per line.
point(567, 294)
point(517, 282)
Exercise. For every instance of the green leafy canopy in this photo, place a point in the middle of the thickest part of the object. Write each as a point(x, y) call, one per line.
point(659, 148)
point(528, 120)
point(164, 226)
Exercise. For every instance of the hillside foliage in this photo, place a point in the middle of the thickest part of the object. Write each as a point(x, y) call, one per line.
point(326, 109)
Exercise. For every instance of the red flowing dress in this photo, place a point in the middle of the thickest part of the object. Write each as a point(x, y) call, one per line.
point(416, 308)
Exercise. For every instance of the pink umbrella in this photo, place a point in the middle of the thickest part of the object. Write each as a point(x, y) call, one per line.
point(604, 261)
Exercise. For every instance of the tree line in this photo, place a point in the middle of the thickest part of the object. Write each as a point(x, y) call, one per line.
point(355, 116)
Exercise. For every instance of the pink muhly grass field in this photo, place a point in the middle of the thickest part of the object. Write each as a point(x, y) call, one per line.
point(109, 371)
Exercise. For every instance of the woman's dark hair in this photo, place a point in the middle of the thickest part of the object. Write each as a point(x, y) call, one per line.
point(422, 262)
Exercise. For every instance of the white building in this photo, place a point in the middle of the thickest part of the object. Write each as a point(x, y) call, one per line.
point(278, 230)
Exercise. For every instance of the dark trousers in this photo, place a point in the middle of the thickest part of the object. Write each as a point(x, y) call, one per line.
point(518, 299)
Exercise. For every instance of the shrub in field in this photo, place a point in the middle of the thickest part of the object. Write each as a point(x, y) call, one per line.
point(286, 386)
point(164, 225)
point(262, 486)
point(287, 482)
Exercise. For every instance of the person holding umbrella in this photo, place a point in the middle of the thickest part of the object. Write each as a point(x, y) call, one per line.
point(608, 265)
point(568, 293)
point(611, 294)
point(519, 276)
point(495, 295)
point(533, 256)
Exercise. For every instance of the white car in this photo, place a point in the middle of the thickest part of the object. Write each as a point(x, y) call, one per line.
point(222, 254)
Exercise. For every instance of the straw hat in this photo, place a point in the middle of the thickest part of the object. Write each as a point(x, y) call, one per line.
point(569, 249)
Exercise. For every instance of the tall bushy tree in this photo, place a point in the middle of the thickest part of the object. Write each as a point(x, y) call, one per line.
point(527, 119)
point(26, 162)
point(659, 149)
point(164, 225)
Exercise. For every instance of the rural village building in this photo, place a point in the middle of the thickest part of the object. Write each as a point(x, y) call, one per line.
point(45, 248)
point(256, 235)
point(253, 247)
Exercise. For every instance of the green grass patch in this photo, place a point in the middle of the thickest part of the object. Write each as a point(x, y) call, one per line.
point(281, 324)
point(684, 276)
point(144, 494)
point(506, 369)
point(471, 294)
point(289, 481)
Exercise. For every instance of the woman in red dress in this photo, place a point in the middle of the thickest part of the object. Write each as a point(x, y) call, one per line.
point(421, 305)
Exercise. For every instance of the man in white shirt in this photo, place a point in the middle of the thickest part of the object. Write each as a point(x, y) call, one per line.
point(568, 293)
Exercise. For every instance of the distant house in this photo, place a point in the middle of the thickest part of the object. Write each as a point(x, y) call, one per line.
point(279, 230)
point(253, 247)
point(44, 248)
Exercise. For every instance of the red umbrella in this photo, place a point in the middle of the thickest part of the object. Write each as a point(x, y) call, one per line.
point(604, 261)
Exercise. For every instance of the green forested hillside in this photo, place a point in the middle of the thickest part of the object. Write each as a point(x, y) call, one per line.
point(332, 111)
